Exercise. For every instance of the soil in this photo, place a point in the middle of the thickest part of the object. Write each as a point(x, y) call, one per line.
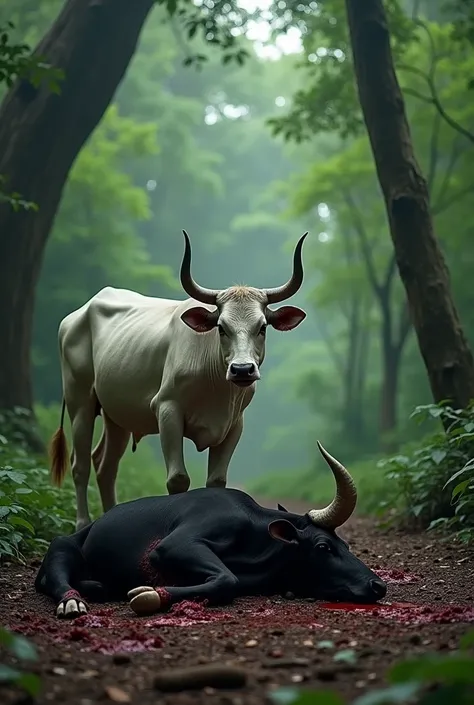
point(112, 655)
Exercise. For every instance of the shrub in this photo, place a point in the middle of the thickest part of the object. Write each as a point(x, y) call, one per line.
point(433, 485)
point(32, 511)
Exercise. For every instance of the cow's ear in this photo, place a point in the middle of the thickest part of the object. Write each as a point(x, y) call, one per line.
point(283, 530)
point(285, 317)
point(281, 508)
point(200, 319)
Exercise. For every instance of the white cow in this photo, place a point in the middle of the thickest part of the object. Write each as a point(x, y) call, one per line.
point(176, 368)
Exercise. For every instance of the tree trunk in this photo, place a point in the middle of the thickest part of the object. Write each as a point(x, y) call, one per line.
point(388, 393)
point(443, 345)
point(41, 134)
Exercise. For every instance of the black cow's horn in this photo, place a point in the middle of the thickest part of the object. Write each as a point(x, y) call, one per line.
point(205, 296)
point(345, 500)
point(280, 293)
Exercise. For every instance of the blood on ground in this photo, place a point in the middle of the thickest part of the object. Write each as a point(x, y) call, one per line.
point(108, 631)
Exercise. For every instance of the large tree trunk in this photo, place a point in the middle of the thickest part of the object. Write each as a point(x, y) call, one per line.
point(41, 134)
point(446, 354)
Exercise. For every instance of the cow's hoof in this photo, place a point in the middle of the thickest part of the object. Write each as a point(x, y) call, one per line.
point(138, 591)
point(146, 602)
point(178, 483)
point(70, 609)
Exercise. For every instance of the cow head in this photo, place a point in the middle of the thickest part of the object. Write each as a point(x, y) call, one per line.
point(322, 566)
point(242, 316)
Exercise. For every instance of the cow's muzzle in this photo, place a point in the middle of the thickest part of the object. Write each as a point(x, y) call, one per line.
point(243, 374)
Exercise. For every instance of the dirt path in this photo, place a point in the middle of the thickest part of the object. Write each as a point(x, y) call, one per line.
point(277, 641)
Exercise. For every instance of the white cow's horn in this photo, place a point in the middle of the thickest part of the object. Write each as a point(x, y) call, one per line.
point(205, 296)
point(343, 504)
point(280, 293)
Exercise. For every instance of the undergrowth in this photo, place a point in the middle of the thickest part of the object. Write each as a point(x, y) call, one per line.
point(32, 510)
point(432, 485)
point(428, 484)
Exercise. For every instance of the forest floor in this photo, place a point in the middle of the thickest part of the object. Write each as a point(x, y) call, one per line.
point(111, 655)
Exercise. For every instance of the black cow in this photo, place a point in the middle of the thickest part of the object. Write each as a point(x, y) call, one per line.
point(209, 543)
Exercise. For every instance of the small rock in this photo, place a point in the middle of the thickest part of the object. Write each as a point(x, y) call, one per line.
point(308, 642)
point(88, 674)
point(327, 674)
point(120, 659)
point(297, 678)
point(360, 684)
point(117, 694)
point(251, 643)
point(59, 671)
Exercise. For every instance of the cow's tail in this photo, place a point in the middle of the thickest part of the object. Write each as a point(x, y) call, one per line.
point(58, 452)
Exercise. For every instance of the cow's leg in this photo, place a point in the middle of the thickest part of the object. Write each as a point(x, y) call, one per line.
point(98, 452)
point(171, 427)
point(115, 445)
point(220, 456)
point(82, 423)
point(63, 568)
point(213, 580)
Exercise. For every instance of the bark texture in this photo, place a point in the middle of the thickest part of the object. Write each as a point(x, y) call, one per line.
point(41, 134)
point(443, 345)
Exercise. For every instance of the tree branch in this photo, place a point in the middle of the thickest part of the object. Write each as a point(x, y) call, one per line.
point(456, 151)
point(433, 162)
point(364, 242)
point(457, 196)
point(429, 78)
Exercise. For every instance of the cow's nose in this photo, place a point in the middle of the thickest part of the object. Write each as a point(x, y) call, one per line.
point(242, 371)
point(379, 588)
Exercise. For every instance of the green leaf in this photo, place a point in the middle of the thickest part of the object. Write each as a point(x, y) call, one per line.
point(23, 490)
point(389, 696)
point(456, 475)
point(8, 675)
point(295, 696)
point(438, 456)
point(467, 640)
point(455, 668)
point(30, 682)
point(17, 477)
point(460, 488)
point(4, 511)
point(19, 521)
point(346, 656)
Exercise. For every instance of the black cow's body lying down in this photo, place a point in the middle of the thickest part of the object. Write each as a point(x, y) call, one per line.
point(211, 543)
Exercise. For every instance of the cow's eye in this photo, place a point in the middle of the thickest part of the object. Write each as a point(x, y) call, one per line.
point(324, 547)
point(263, 329)
point(221, 330)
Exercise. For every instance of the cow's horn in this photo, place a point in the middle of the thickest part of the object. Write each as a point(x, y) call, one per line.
point(345, 500)
point(205, 296)
point(280, 293)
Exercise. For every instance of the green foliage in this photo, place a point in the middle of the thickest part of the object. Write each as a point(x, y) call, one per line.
point(18, 62)
point(433, 484)
point(427, 680)
point(22, 650)
point(32, 511)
